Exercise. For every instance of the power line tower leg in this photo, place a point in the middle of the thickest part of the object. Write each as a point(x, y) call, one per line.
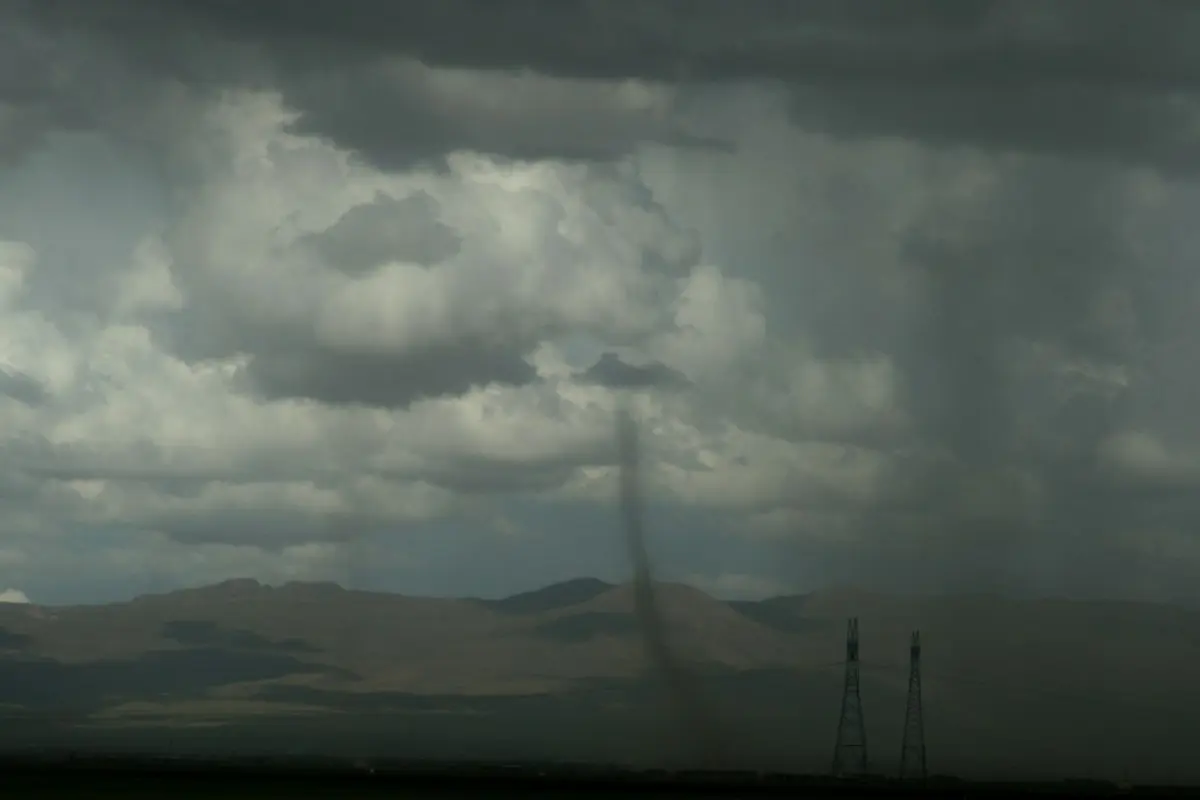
point(850, 753)
point(912, 749)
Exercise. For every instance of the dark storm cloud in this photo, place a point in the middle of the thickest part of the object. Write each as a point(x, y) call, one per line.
point(274, 528)
point(1029, 266)
point(28, 102)
point(1132, 125)
point(1102, 77)
point(22, 387)
point(1089, 536)
point(383, 380)
point(611, 371)
point(1090, 41)
point(287, 360)
point(475, 474)
point(1042, 337)
point(386, 230)
point(179, 472)
point(483, 477)
point(385, 104)
point(398, 115)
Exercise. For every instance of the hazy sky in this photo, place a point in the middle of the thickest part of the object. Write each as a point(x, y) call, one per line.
point(904, 294)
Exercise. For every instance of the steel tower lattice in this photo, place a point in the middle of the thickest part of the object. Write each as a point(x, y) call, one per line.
point(850, 753)
point(912, 748)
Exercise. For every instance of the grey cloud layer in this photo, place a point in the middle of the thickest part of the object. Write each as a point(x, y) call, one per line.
point(1074, 76)
point(962, 231)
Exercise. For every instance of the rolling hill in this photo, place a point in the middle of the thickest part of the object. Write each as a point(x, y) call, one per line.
point(1092, 688)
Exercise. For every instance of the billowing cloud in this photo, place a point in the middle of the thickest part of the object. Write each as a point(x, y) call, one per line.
point(908, 295)
point(612, 371)
point(13, 596)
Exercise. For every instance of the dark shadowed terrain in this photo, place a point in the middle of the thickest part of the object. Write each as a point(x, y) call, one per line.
point(1038, 687)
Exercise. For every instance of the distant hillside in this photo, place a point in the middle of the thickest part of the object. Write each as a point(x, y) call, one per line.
point(1056, 683)
point(558, 595)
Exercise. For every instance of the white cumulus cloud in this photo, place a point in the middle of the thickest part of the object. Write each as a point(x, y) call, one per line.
point(13, 596)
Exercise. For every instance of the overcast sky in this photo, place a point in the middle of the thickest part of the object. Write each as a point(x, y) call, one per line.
point(904, 294)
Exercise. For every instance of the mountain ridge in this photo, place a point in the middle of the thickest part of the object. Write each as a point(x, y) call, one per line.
point(577, 590)
point(1016, 675)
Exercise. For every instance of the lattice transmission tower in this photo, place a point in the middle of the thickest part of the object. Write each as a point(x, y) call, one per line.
point(850, 753)
point(912, 748)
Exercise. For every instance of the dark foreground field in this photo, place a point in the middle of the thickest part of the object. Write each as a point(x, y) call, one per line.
point(300, 777)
